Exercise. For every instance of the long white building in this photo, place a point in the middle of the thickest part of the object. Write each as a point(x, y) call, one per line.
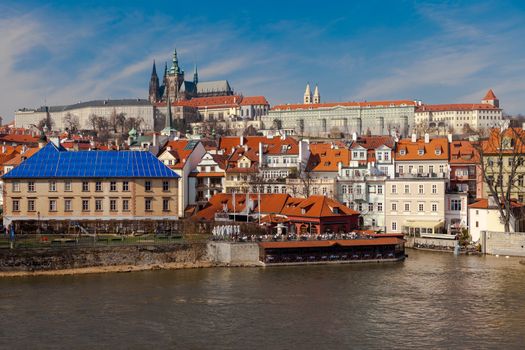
point(136, 108)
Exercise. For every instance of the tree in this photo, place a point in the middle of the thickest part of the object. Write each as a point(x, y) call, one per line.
point(93, 118)
point(133, 123)
point(335, 133)
point(306, 180)
point(277, 124)
point(501, 161)
point(71, 122)
point(46, 123)
point(121, 121)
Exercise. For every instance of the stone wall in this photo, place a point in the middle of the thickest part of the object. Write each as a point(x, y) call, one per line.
point(234, 253)
point(59, 259)
point(501, 243)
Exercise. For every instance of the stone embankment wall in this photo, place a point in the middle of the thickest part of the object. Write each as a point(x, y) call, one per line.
point(229, 253)
point(501, 243)
point(74, 258)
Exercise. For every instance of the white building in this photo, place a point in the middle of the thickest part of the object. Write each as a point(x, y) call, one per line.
point(136, 108)
point(484, 215)
point(462, 116)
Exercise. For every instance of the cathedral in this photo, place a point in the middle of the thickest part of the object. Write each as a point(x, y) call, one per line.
point(175, 88)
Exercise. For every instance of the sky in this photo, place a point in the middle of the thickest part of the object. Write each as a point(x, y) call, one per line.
point(62, 52)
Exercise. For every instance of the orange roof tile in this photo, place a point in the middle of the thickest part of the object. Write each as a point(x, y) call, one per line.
point(490, 95)
point(412, 149)
point(456, 107)
point(463, 152)
point(325, 158)
point(483, 203)
point(316, 206)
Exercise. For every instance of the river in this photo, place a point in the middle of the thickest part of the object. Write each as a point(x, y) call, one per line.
point(432, 300)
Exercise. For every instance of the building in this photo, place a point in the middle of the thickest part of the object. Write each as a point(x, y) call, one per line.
point(323, 119)
point(416, 206)
point(458, 118)
point(464, 164)
point(80, 113)
point(56, 186)
point(484, 215)
point(178, 88)
point(422, 157)
point(182, 156)
point(207, 178)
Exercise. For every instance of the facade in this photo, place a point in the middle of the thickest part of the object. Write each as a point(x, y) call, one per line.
point(323, 119)
point(484, 216)
point(461, 117)
point(207, 178)
point(422, 157)
point(464, 160)
point(81, 112)
point(416, 206)
point(57, 185)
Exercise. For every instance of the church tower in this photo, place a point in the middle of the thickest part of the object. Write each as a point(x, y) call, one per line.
point(307, 95)
point(154, 85)
point(317, 97)
point(175, 78)
point(195, 76)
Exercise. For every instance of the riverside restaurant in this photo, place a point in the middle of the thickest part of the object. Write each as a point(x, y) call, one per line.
point(377, 248)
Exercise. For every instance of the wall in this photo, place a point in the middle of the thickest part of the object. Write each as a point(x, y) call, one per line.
point(68, 258)
point(234, 253)
point(501, 243)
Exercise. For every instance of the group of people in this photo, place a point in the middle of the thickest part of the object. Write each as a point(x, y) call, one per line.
point(232, 233)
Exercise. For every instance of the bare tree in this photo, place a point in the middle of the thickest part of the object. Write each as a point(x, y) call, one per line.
point(71, 122)
point(501, 160)
point(121, 121)
point(133, 123)
point(93, 119)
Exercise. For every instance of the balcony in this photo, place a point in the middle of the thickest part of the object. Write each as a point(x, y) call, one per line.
point(470, 177)
point(421, 175)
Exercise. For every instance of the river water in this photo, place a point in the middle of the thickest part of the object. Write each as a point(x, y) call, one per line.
point(432, 300)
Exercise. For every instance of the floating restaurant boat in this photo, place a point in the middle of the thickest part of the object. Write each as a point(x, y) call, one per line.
point(374, 248)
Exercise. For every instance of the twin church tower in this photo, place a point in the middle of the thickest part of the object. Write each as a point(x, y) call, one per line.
point(308, 95)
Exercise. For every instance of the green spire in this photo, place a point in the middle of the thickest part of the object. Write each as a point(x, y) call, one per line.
point(175, 64)
point(168, 128)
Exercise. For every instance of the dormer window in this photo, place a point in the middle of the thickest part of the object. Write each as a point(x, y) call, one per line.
point(403, 152)
point(303, 211)
point(420, 152)
point(438, 152)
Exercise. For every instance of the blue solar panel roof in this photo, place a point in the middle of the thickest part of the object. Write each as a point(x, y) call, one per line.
point(52, 161)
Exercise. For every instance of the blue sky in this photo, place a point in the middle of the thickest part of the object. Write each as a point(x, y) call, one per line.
point(438, 52)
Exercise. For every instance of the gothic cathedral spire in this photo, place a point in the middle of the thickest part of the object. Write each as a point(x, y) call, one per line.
point(154, 85)
point(195, 75)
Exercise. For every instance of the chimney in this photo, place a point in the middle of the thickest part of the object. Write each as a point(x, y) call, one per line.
point(24, 149)
point(414, 137)
point(427, 137)
point(3, 148)
point(260, 153)
point(154, 141)
point(168, 148)
point(241, 140)
point(449, 137)
point(354, 136)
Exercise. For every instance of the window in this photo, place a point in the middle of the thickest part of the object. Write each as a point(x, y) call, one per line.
point(441, 168)
point(31, 186)
point(421, 152)
point(455, 204)
point(434, 207)
point(16, 186)
point(125, 205)
point(379, 189)
point(477, 223)
point(407, 189)
point(407, 206)
point(394, 206)
point(360, 206)
point(52, 205)
point(52, 186)
point(98, 204)
point(113, 186)
point(420, 169)
point(165, 186)
point(379, 207)
point(85, 205)
point(400, 169)
point(166, 204)
point(370, 206)
point(30, 205)
point(344, 189)
point(387, 156)
point(113, 205)
point(67, 205)
point(431, 169)
point(147, 204)
point(410, 167)
point(394, 226)
point(67, 186)
point(98, 186)
point(16, 205)
point(420, 189)
point(434, 189)
point(85, 186)
point(394, 189)
point(125, 186)
point(421, 207)
point(147, 186)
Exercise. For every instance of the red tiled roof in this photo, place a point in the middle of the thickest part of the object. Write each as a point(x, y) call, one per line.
point(374, 141)
point(456, 107)
point(316, 206)
point(483, 203)
point(220, 101)
point(490, 95)
point(412, 149)
point(341, 242)
point(22, 139)
point(397, 103)
point(254, 100)
point(463, 152)
point(325, 158)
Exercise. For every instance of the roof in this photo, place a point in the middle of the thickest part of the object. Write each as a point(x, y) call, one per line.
point(20, 139)
point(214, 86)
point(463, 152)
point(483, 203)
point(374, 141)
point(509, 141)
point(93, 103)
point(316, 206)
point(376, 104)
point(412, 149)
point(254, 100)
point(456, 107)
point(180, 150)
point(270, 203)
point(20, 157)
point(55, 162)
point(490, 95)
point(330, 243)
point(324, 157)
